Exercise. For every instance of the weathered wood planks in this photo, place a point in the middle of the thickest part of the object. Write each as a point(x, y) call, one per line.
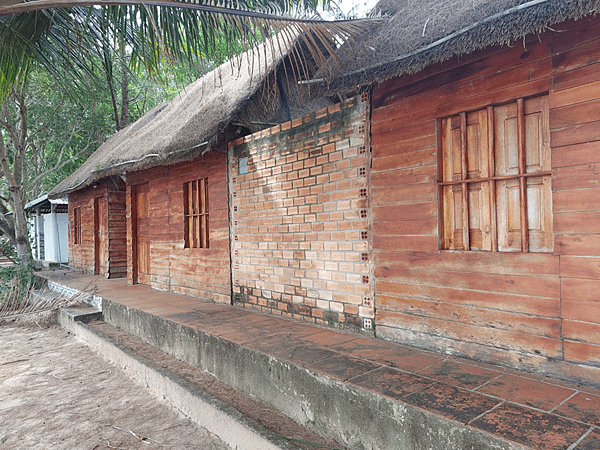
point(538, 304)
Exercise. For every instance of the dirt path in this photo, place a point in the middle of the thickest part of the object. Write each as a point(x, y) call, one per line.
point(55, 393)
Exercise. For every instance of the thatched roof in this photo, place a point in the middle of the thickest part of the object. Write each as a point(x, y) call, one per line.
point(424, 32)
point(244, 92)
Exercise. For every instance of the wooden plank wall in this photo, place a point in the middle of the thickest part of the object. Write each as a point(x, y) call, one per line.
point(520, 309)
point(112, 245)
point(575, 134)
point(116, 232)
point(199, 272)
point(81, 255)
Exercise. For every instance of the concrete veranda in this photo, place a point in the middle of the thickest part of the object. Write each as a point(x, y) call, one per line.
point(522, 408)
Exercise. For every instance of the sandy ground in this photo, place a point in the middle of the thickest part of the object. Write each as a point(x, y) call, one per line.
point(55, 393)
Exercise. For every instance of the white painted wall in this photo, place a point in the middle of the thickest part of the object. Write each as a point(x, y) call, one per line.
point(33, 228)
point(56, 237)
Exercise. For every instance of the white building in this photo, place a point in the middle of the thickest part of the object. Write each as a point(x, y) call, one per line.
point(49, 229)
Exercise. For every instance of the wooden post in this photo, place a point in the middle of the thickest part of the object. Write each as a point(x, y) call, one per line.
point(522, 170)
point(465, 193)
point(491, 173)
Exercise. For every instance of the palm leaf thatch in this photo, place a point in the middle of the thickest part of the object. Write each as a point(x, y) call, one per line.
point(423, 32)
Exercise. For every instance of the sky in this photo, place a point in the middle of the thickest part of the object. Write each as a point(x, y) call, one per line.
point(359, 8)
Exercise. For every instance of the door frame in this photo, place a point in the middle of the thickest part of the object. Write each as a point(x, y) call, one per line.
point(98, 204)
point(134, 233)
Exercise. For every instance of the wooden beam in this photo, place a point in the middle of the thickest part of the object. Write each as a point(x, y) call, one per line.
point(522, 170)
point(492, 173)
point(464, 172)
point(502, 178)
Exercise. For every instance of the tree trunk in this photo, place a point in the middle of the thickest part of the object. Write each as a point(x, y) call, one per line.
point(17, 200)
point(124, 87)
point(124, 101)
point(13, 175)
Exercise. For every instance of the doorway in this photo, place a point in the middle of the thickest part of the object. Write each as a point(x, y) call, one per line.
point(100, 247)
point(141, 233)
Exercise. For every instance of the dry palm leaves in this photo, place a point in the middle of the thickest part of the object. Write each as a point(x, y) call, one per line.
point(26, 304)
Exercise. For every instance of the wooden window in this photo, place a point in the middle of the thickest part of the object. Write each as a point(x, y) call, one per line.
point(494, 172)
point(195, 197)
point(77, 225)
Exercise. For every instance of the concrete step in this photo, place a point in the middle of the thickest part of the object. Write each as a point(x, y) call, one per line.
point(178, 384)
point(331, 406)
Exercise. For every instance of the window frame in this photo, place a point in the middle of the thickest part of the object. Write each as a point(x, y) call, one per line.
point(196, 214)
point(492, 179)
point(76, 225)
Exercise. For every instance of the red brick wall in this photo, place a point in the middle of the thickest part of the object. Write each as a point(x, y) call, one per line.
point(200, 272)
point(112, 235)
point(300, 217)
point(538, 311)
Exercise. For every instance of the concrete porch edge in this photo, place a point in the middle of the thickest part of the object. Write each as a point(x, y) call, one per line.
point(227, 423)
point(356, 417)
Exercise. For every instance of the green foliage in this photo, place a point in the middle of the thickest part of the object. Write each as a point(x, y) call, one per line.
point(70, 77)
point(17, 279)
point(61, 123)
point(66, 38)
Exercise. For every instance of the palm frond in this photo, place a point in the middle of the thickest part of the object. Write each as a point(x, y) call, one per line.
point(70, 34)
point(26, 304)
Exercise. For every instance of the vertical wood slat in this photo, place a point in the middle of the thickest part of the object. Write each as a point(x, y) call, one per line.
point(463, 169)
point(492, 172)
point(522, 169)
point(443, 204)
point(192, 211)
point(186, 213)
point(197, 208)
point(202, 211)
point(190, 218)
point(205, 217)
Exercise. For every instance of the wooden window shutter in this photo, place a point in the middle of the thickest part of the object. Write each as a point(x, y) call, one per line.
point(495, 190)
point(478, 193)
point(524, 203)
point(196, 214)
point(451, 204)
point(76, 225)
point(466, 209)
